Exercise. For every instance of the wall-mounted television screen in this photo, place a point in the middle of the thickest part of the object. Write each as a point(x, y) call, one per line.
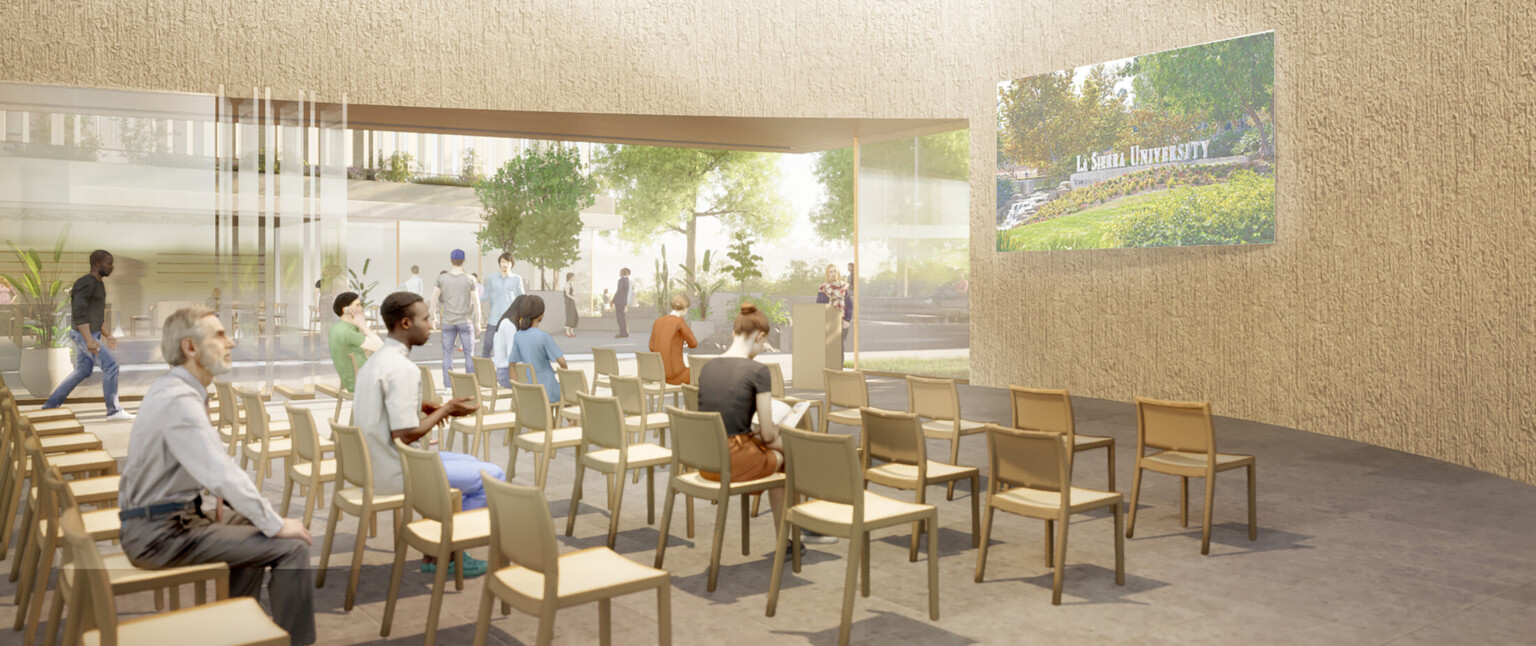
point(1170, 149)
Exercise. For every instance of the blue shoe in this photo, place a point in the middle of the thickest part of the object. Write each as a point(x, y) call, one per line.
point(473, 567)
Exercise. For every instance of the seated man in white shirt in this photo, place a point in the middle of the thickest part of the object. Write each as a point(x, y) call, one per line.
point(174, 453)
point(387, 405)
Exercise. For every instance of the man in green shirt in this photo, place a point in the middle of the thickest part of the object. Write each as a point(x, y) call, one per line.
point(350, 339)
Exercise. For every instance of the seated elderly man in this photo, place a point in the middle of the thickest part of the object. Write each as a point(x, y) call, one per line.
point(174, 453)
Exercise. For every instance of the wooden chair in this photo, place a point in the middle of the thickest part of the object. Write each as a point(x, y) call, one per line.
point(637, 421)
point(776, 376)
point(847, 391)
point(1185, 442)
point(1041, 409)
point(699, 444)
point(896, 440)
point(938, 400)
point(354, 495)
point(605, 364)
point(307, 466)
point(232, 415)
point(490, 390)
point(603, 427)
point(16, 469)
point(696, 366)
point(826, 468)
point(542, 437)
point(520, 373)
point(529, 572)
point(691, 398)
point(1036, 468)
point(479, 424)
point(262, 440)
point(572, 383)
point(25, 467)
point(443, 532)
point(429, 395)
point(653, 379)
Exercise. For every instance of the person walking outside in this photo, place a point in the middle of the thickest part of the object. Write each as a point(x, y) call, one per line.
point(834, 292)
point(572, 317)
point(94, 343)
point(533, 346)
point(174, 454)
point(620, 302)
point(668, 336)
point(413, 284)
point(500, 290)
point(454, 297)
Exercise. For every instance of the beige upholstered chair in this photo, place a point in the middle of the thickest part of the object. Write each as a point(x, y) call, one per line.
point(826, 469)
point(1184, 439)
point(490, 390)
point(307, 466)
point(231, 621)
point(528, 571)
point(264, 439)
point(442, 532)
point(537, 432)
point(603, 448)
point(637, 421)
point(846, 394)
point(572, 383)
point(700, 445)
point(1036, 467)
point(653, 378)
point(896, 455)
point(354, 495)
point(477, 425)
point(1039, 409)
point(605, 364)
point(776, 376)
point(938, 400)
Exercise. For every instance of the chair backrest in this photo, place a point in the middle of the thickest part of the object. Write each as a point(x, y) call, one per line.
point(605, 361)
point(650, 366)
point(776, 379)
point(823, 466)
point(229, 406)
point(428, 388)
point(628, 390)
point(255, 415)
point(602, 421)
point(698, 441)
point(845, 388)
point(696, 367)
point(426, 485)
point(933, 398)
point(306, 436)
point(465, 386)
point(572, 383)
point(533, 407)
point(1042, 409)
point(353, 462)
point(1176, 426)
point(892, 436)
point(691, 397)
point(522, 532)
point(520, 373)
point(1031, 459)
point(93, 588)
point(485, 373)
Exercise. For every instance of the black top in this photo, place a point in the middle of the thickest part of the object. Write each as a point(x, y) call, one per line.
point(88, 302)
point(729, 386)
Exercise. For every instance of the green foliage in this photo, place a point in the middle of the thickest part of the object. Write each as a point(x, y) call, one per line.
point(772, 307)
point(1240, 211)
point(1046, 122)
point(833, 218)
point(471, 169)
point(802, 277)
point(444, 180)
point(84, 148)
point(355, 282)
point(1224, 143)
point(1163, 177)
point(42, 293)
point(1220, 81)
point(1004, 190)
point(398, 167)
point(744, 264)
point(532, 207)
point(945, 155)
point(1082, 230)
point(943, 367)
point(1253, 140)
point(702, 283)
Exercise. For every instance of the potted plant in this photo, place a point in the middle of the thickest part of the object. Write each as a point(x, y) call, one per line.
point(45, 359)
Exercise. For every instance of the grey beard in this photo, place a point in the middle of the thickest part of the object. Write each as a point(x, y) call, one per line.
point(212, 364)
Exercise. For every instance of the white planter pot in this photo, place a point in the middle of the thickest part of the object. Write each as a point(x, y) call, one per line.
point(42, 369)
point(10, 356)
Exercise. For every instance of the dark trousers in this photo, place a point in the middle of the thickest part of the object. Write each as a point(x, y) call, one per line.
point(618, 311)
point(489, 340)
point(190, 538)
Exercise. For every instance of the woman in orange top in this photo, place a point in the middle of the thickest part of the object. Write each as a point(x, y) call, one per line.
point(668, 336)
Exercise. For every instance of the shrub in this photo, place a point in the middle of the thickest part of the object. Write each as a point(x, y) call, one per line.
point(1223, 142)
point(1249, 143)
point(1004, 190)
point(1240, 211)
point(399, 167)
point(1139, 182)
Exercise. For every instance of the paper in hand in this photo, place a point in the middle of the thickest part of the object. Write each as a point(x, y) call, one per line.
point(784, 414)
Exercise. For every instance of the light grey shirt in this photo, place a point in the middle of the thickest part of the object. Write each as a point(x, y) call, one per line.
point(457, 298)
point(174, 453)
point(387, 399)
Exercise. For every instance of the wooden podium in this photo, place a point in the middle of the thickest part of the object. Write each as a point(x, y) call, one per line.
point(818, 343)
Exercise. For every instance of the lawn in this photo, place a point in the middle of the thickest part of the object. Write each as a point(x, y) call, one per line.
point(1077, 231)
point(949, 367)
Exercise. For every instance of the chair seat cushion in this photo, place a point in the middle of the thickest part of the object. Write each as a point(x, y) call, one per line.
point(232, 621)
point(585, 575)
point(1035, 499)
point(937, 472)
point(467, 526)
point(1189, 460)
point(642, 454)
point(561, 438)
point(879, 511)
point(946, 426)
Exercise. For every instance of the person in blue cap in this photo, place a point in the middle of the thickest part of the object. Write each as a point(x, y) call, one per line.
point(458, 309)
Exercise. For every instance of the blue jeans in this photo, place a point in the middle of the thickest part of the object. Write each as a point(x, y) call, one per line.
point(504, 377)
point(464, 474)
point(464, 335)
point(489, 341)
point(85, 362)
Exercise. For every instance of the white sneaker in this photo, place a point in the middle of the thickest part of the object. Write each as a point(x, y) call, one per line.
point(120, 416)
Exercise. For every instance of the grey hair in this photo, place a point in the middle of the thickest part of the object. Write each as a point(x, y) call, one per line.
point(185, 323)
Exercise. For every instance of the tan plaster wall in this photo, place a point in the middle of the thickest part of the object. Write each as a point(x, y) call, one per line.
point(1395, 308)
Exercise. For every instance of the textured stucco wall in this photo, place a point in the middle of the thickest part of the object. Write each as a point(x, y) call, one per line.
point(1396, 307)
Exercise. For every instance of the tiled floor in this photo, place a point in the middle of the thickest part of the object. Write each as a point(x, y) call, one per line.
point(1357, 545)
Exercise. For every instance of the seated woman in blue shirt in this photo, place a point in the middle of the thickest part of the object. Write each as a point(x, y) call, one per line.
point(535, 347)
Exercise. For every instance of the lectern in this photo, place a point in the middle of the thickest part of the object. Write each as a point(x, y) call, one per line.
point(818, 342)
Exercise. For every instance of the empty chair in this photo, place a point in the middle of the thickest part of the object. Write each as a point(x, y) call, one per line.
point(354, 495)
point(653, 378)
point(695, 366)
point(1036, 468)
point(533, 576)
point(938, 400)
point(26, 458)
point(262, 443)
point(477, 425)
point(490, 387)
point(541, 437)
point(847, 391)
point(16, 471)
point(1039, 409)
point(603, 448)
point(605, 364)
point(895, 441)
point(826, 469)
point(429, 396)
point(699, 444)
point(572, 383)
point(521, 373)
point(637, 421)
point(1184, 439)
point(231, 415)
point(307, 466)
point(690, 397)
point(776, 386)
point(442, 532)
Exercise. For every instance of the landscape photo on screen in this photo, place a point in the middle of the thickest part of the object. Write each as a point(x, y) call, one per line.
point(1170, 149)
